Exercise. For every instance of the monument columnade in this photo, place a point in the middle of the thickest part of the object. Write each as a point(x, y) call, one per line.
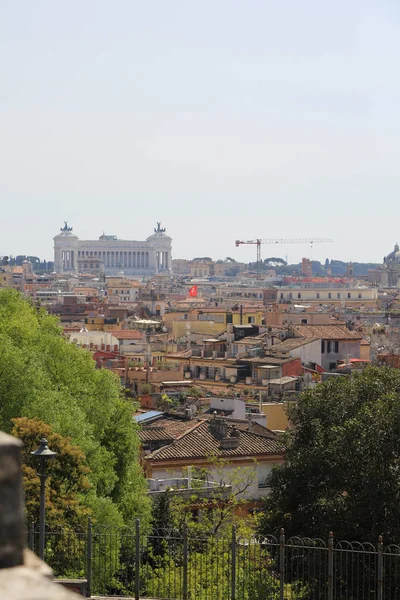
point(133, 257)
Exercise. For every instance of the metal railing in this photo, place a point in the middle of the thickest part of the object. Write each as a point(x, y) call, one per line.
point(186, 566)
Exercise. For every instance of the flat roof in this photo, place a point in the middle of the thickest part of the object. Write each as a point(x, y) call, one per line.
point(282, 380)
point(147, 416)
point(182, 382)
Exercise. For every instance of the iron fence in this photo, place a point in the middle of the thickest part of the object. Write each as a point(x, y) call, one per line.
point(184, 566)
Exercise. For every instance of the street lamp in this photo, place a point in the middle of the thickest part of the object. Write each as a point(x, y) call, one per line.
point(43, 453)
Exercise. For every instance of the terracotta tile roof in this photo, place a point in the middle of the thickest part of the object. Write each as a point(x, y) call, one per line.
point(150, 434)
point(244, 425)
point(127, 334)
point(268, 360)
point(172, 427)
point(183, 354)
point(291, 344)
point(326, 332)
point(201, 442)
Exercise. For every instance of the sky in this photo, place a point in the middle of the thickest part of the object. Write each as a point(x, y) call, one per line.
point(223, 119)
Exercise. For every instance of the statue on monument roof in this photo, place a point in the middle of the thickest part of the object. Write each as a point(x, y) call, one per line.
point(159, 229)
point(66, 229)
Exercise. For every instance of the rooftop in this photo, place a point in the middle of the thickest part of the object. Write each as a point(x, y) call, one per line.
point(201, 442)
point(283, 380)
point(147, 416)
point(127, 334)
point(292, 344)
point(326, 332)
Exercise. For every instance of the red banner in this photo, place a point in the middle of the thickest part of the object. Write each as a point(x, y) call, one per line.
point(193, 291)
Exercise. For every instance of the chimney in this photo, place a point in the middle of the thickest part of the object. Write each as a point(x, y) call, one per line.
point(232, 441)
point(219, 426)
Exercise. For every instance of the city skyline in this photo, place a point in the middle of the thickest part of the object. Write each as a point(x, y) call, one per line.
point(225, 121)
point(275, 250)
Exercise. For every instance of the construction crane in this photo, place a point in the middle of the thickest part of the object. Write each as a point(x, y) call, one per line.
point(258, 242)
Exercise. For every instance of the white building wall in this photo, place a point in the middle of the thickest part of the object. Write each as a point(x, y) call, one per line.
point(308, 353)
point(230, 404)
point(301, 295)
point(257, 473)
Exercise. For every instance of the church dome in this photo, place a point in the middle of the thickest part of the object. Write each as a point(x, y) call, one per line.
point(394, 256)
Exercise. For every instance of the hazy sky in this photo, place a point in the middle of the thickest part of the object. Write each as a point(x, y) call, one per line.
point(224, 119)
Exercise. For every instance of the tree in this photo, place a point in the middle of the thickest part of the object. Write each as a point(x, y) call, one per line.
point(218, 492)
point(342, 462)
point(67, 475)
point(275, 262)
point(43, 376)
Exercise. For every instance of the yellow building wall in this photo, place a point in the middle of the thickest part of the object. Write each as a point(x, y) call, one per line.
point(180, 329)
point(97, 325)
point(256, 316)
point(365, 352)
point(5, 279)
point(277, 418)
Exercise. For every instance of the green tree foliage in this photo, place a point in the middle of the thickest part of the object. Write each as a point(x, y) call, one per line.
point(211, 506)
point(341, 471)
point(209, 572)
point(45, 377)
point(275, 262)
point(67, 475)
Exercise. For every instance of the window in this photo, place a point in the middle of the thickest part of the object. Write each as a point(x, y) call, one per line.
point(317, 295)
point(322, 346)
point(299, 295)
point(328, 347)
point(338, 294)
point(250, 320)
point(290, 295)
point(332, 366)
point(304, 321)
point(360, 295)
point(336, 350)
point(281, 295)
point(329, 295)
point(349, 295)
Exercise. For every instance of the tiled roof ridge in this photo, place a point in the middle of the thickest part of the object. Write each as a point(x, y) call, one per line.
point(150, 428)
point(200, 422)
point(200, 447)
point(179, 437)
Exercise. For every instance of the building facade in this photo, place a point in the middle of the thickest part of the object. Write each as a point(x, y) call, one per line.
point(113, 255)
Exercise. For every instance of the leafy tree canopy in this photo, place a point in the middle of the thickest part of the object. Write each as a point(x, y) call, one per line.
point(275, 262)
point(341, 471)
point(203, 258)
point(43, 376)
point(67, 475)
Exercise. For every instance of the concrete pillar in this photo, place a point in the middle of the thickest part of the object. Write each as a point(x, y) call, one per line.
point(57, 260)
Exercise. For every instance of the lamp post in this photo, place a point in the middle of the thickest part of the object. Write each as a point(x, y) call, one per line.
point(43, 453)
